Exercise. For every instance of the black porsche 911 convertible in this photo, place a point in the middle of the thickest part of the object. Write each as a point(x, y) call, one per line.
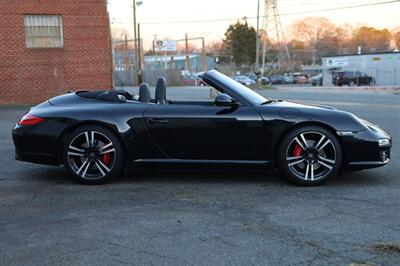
point(98, 134)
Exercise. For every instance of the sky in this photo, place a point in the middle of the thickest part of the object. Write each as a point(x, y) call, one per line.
point(171, 19)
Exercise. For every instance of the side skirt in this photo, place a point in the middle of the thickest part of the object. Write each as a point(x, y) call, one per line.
point(181, 162)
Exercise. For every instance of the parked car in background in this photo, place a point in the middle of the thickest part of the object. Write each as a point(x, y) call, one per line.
point(264, 81)
point(299, 78)
point(253, 77)
point(193, 81)
point(276, 79)
point(287, 79)
point(245, 80)
point(351, 78)
point(316, 80)
point(280, 79)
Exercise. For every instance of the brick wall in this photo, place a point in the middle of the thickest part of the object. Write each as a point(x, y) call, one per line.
point(33, 75)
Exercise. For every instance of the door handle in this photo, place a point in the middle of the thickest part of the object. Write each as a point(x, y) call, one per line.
point(157, 120)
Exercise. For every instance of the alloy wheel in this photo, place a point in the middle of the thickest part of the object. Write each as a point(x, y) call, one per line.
point(311, 156)
point(91, 155)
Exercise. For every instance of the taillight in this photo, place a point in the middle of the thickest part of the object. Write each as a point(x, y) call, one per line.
point(29, 119)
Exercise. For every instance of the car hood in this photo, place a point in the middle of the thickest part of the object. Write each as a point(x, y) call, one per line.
point(288, 104)
point(298, 112)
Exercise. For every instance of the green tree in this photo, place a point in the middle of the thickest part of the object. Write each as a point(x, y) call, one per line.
point(240, 41)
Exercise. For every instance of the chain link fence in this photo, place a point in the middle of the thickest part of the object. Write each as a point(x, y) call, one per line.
point(125, 72)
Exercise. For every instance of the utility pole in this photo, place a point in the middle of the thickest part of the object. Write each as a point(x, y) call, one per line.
point(135, 41)
point(313, 54)
point(203, 55)
point(154, 43)
point(187, 52)
point(263, 58)
point(139, 56)
point(203, 52)
point(257, 64)
point(126, 48)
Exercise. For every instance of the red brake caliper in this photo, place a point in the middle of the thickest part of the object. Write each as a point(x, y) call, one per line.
point(106, 158)
point(297, 151)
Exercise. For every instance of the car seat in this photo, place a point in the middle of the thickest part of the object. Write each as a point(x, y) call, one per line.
point(161, 91)
point(144, 93)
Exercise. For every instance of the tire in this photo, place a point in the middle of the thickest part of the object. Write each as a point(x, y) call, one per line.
point(93, 155)
point(313, 164)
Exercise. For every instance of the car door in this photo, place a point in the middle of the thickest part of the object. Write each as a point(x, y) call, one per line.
point(206, 132)
point(363, 79)
point(349, 77)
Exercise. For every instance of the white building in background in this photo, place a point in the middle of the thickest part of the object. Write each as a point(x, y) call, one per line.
point(384, 67)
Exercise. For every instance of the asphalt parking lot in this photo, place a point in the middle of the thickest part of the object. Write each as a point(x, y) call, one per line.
point(204, 216)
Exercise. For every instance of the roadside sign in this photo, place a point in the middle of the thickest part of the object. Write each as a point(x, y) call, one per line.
point(337, 62)
point(165, 46)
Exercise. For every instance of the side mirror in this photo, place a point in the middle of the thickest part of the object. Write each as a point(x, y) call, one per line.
point(223, 99)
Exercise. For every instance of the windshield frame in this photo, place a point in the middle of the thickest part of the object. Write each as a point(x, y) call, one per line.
point(236, 90)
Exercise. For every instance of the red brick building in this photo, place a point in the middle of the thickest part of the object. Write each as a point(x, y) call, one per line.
point(48, 47)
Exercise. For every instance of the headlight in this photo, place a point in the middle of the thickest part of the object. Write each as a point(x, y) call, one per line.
point(384, 142)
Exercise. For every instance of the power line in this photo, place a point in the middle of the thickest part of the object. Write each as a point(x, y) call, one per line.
point(341, 8)
point(167, 19)
point(248, 11)
point(282, 14)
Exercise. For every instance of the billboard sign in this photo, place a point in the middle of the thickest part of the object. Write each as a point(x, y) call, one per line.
point(337, 62)
point(165, 46)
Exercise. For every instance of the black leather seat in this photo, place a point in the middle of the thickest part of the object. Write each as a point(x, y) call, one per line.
point(161, 91)
point(111, 96)
point(144, 93)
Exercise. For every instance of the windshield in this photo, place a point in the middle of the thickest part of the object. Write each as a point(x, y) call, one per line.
point(240, 89)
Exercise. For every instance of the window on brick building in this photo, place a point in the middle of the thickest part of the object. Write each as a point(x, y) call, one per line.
point(43, 31)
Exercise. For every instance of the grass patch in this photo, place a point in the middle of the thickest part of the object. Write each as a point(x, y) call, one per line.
point(389, 248)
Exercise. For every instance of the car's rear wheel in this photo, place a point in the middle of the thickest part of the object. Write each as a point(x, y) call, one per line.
point(310, 156)
point(93, 154)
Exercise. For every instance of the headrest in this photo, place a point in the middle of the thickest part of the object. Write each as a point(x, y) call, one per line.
point(144, 93)
point(161, 91)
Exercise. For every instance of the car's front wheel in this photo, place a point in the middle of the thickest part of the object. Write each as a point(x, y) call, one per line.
point(93, 154)
point(310, 156)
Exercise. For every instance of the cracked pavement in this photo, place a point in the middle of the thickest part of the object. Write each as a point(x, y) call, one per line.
point(203, 216)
